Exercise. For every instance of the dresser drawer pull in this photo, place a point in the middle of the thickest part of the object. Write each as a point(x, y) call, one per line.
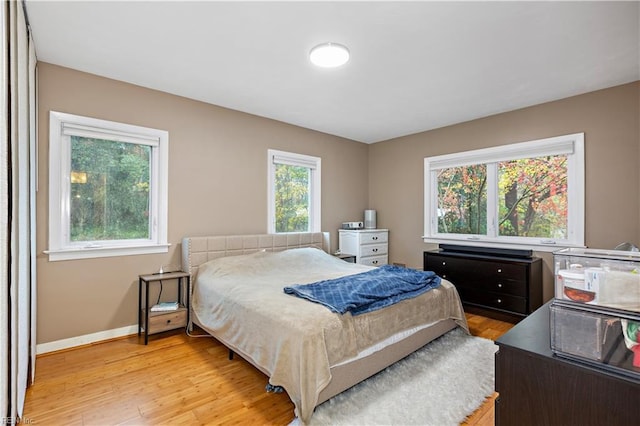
point(444, 275)
point(499, 300)
point(375, 250)
point(499, 270)
point(499, 285)
point(374, 238)
point(375, 262)
point(444, 263)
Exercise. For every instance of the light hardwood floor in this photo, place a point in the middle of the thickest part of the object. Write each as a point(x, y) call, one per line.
point(174, 380)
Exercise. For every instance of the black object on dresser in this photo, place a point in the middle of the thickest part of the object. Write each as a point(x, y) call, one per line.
point(537, 388)
point(510, 284)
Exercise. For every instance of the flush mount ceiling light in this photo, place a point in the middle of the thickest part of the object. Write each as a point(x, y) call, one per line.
point(329, 55)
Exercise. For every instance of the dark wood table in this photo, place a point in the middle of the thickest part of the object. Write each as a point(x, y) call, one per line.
point(537, 388)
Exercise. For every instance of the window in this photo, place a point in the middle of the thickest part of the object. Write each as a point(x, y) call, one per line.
point(529, 194)
point(294, 192)
point(107, 188)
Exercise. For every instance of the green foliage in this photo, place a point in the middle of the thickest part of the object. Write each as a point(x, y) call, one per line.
point(462, 200)
point(111, 200)
point(532, 198)
point(292, 185)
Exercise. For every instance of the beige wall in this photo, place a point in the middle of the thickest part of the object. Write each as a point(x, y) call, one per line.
point(610, 120)
point(217, 185)
point(217, 181)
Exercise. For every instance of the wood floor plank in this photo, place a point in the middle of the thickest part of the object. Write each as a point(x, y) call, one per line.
point(174, 380)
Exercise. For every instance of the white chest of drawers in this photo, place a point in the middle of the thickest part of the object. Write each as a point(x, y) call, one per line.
point(369, 246)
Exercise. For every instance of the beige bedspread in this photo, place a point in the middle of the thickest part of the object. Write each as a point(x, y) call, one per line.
point(240, 300)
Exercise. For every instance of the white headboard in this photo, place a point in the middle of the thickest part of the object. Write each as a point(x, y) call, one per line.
point(198, 250)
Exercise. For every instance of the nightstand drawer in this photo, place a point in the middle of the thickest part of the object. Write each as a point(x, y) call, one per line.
point(373, 237)
point(373, 260)
point(163, 321)
point(373, 250)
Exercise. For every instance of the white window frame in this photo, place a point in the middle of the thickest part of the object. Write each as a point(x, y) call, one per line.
point(61, 127)
point(572, 145)
point(292, 159)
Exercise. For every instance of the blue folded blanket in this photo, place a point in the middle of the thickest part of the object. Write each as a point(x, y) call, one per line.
point(367, 291)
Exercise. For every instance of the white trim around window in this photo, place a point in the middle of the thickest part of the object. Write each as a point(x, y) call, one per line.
point(571, 145)
point(61, 127)
point(292, 159)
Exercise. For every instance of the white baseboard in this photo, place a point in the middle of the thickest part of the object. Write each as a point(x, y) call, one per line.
point(72, 342)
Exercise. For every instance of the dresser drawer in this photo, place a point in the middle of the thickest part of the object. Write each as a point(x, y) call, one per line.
point(496, 286)
point(163, 321)
point(373, 260)
point(502, 286)
point(373, 237)
point(504, 271)
point(373, 250)
point(493, 300)
point(439, 265)
point(472, 268)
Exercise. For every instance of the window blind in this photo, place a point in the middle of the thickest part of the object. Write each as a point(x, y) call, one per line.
point(563, 145)
point(297, 160)
point(72, 129)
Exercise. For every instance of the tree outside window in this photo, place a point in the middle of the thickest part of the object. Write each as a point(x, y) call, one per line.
point(108, 188)
point(292, 198)
point(529, 193)
point(110, 196)
point(532, 195)
point(462, 200)
point(293, 192)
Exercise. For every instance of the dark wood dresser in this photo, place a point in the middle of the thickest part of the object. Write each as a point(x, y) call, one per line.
point(537, 388)
point(512, 285)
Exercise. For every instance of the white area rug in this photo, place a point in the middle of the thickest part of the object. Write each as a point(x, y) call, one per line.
point(438, 385)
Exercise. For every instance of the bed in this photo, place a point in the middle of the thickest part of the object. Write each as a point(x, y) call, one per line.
point(302, 346)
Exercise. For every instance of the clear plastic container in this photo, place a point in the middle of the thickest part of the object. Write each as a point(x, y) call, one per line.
point(595, 336)
point(608, 278)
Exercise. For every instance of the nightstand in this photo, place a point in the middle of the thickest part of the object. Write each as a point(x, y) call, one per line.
point(369, 246)
point(157, 322)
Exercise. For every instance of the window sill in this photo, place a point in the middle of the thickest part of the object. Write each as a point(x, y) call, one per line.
point(479, 243)
point(95, 252)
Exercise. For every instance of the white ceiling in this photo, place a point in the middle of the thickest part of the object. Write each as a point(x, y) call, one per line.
point(414, 66)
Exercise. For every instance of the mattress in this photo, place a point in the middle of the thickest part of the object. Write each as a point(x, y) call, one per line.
point(240, 300)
